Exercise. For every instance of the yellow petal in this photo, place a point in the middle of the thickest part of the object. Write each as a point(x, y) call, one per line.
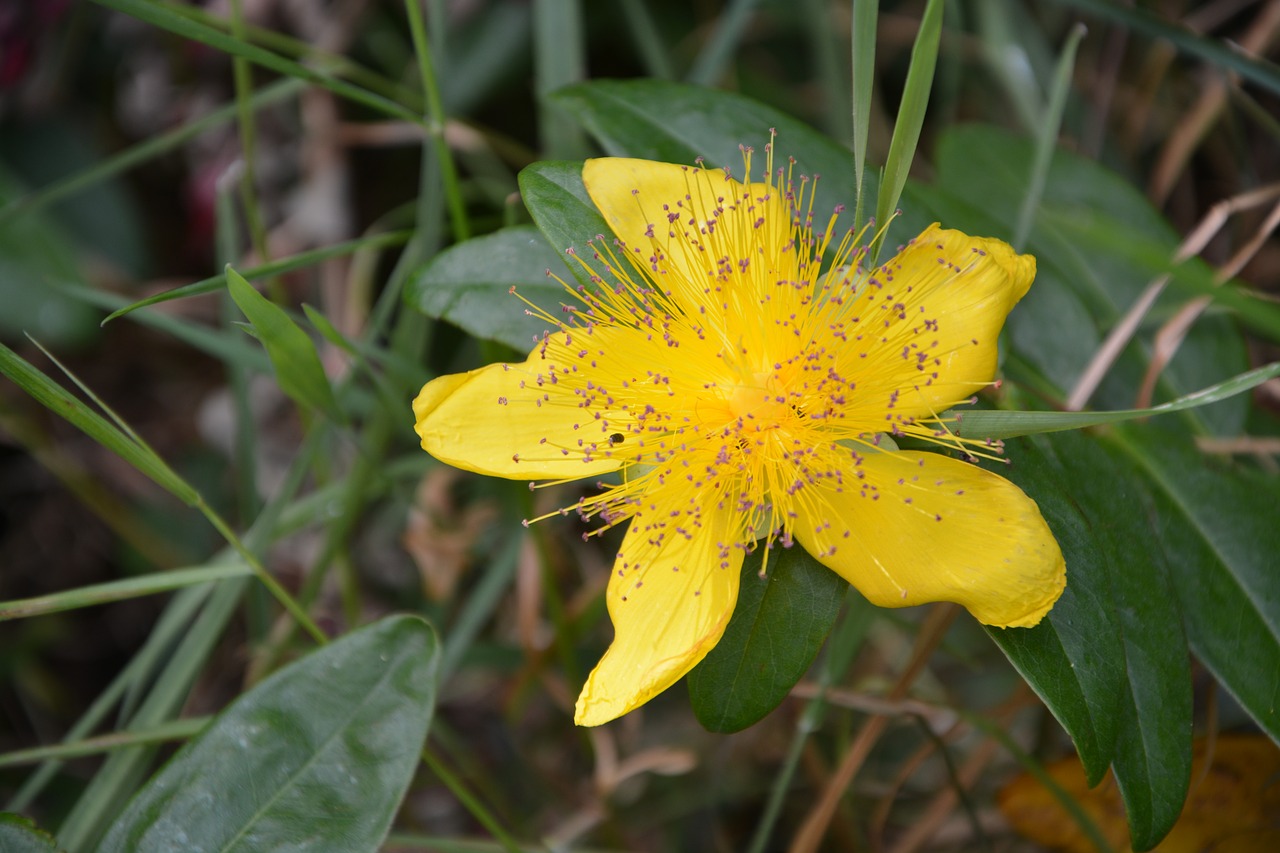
point(918, 527)
point(670, 596)
point(927, 321)
point(661, 211)
point(500, 420)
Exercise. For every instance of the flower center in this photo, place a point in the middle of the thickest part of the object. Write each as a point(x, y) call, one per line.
point(761, 403)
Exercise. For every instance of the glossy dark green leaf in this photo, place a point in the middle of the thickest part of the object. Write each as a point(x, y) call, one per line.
point(1153, 752)
point(776, 630)
point(678, 123)
point(20, 835)
point(556, 198)
point(1217, 523)
point(1074, 659)
point(1152, 706)
point(292, 352)
point(470, 285)
point(315, 758)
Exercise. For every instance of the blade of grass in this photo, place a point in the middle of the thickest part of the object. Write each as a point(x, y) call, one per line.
point(648, 41)
point(124, 442)
point(296, 49)
point(865, 15)
point(996, 424)
point(558, 60)
point(162, 733)
point(244, 439)
point(58, 400)
point(714, 57)
point(302, 260)
point(104, 593)
point(279, 517)
point(469, 802)
point(241, 75)
point(1047, 137)
point(1212, 50)
point(218, 343)
point(125, 521)
point(125, 768)
point(166, 19)
point(142, 668)
point(1033, 767)
point(828, 71)
point(911, 112)
point(436, 122)
point(279, 91)
point(843, 646)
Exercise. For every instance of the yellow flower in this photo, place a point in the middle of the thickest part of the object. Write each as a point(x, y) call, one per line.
point(738, 394)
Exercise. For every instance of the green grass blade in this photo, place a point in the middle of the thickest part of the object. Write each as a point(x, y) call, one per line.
point(865, 15)
point(715, 55)
point(830, 72)
point(648, 40)
point(58, 400)
point(559, 59)
point(162, 733)
point(302, 260)
point(423, 50)
point(173, 623)
point(292, 352)
point(167, 19)
point(1215, 51)
point(999, 424)
point(906, 130)
point(124, 770)
point(293, 48)
point(1047, 137)
point(135, 155)
point(218, 343)
point(103, 593)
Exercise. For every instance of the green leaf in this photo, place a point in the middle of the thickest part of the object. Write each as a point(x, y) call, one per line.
point(20, 835)
point(315, 758)
point(558, 201)
point(679, 123)
point(1217, 524)
point(469, 285)
point(1008, 424)
point(775, 632)
point(906, 130)
point(292, 352)
point(1153, 752)
point(863, 37)
point(1150, 700)
point(1074, 659)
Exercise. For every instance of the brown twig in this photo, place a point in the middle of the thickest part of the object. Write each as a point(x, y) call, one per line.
point(1202, 115)
point(1192, 245)
point(815, 825)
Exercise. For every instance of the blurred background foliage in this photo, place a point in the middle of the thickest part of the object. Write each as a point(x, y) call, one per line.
point(124, 127)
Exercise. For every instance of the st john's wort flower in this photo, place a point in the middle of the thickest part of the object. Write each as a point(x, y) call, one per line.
point(739, 394)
